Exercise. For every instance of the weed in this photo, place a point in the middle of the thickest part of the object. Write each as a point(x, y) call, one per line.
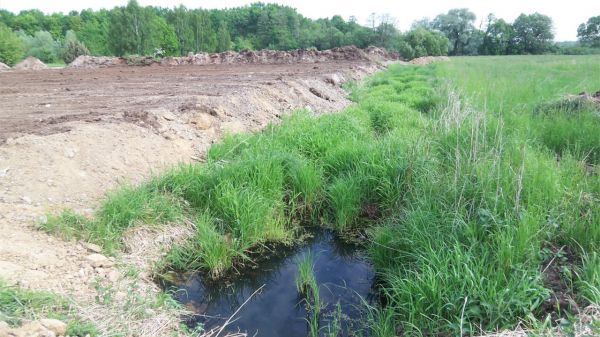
point(18, 305)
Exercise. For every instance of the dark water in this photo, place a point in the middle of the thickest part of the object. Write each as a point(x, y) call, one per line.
point(343, 274)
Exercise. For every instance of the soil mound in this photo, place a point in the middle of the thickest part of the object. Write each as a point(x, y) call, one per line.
point(31, 63)
point(349, 53)
point(429, 59)
point(86, 61)
point(4, 66)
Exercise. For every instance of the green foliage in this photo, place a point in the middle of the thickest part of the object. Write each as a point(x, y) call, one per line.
point(497, 38)
point(532, 34)
point(139, 30)
point(11, 47)
point(42, 46)
point(223, 38)
point(588, 279)
point(121, 210)
point(73, 48)
point(457, 24)
point(589, 33)
point(420, 42)
point(17, 305)
point(306, 274)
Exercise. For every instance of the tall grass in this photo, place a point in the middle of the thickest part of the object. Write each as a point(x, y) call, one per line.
point(487, 194)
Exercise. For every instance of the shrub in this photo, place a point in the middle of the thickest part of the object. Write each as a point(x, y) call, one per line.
point(42, 46)
point(11, 47)
point(73, 48)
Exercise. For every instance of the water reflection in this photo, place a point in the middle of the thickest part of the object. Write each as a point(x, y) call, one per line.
point(341, 270)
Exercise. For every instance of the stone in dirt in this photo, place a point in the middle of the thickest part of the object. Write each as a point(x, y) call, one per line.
point(54, 325)
point(92, 247)
point(113, 276)
point(98, 260)
point(38, 329)
point(202, 121)
point(31, 63)
point(4, 66)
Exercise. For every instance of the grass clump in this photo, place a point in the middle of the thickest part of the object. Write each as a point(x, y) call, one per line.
point(588, 279)
point(306, 281)
point(18, 305)
point(308, 288)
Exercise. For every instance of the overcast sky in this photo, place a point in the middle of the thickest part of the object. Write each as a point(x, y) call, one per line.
point(567, 15)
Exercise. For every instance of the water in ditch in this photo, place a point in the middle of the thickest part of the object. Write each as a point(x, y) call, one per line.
point(344, 276)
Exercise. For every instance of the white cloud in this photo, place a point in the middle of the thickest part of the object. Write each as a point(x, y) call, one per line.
point(567, 15)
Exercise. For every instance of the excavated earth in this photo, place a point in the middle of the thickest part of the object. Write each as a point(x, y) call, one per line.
point(67, 136)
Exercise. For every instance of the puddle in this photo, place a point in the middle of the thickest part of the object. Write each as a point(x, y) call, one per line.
point(342, 272)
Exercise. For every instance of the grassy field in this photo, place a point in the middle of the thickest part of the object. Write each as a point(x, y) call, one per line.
point(474, 179)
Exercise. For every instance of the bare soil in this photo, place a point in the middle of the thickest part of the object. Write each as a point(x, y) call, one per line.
point(67, 136)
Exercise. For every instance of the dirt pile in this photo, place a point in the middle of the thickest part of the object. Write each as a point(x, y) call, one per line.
point(429, 59)
point(4, 67)
point(571, 104)
point(595, 97)
point(86, 61)
point(349, 53)
point(31, 63)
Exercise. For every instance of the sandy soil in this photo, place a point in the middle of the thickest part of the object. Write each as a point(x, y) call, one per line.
point(67, 136)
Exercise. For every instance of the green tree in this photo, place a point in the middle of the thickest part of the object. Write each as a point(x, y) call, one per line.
point(264, 31)
point(41, 45)
point(532, 34)
point(589, 33)
point(386, 31)
point(497, 37)
point(205, 38)
point(223, 38)
point(138, 30)
point(94, 31)
point(180, 19)
point(73, 48)
point(11, 47)
point(163, 36)
point(28, 21)
point(458, 27)
point(420, 42)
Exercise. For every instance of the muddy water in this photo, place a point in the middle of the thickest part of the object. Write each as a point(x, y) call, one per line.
point(343, 274)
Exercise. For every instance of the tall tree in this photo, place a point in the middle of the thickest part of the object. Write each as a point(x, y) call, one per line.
point(11, 47)
point(532, 34)
point(458, 27)
point(498, 35)
point(180, 19)
point(223, 38)
point(589, 33)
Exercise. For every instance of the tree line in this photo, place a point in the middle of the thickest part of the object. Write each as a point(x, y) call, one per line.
point(157, 31)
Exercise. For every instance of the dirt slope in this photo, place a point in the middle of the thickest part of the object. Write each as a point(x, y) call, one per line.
point(68, 136)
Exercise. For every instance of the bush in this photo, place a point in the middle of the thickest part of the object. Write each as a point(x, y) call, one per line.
point(42, 46)
point(11, 48)
point(73, 48)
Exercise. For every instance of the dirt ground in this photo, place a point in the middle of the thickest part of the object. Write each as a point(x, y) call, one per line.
point(67, 136)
